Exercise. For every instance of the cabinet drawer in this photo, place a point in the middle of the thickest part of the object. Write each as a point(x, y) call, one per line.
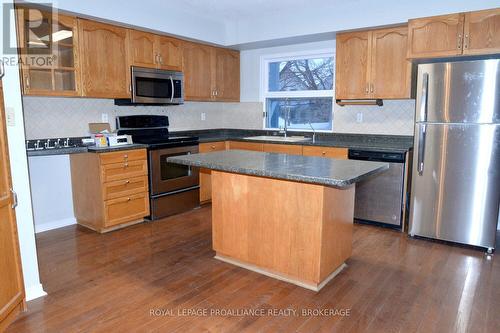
point(126, 209)
point(246, 145)
point(124, 187)
point(332, 152)
point(125, 170)
point(212, 146)
point(123, 156)
point(283, 149)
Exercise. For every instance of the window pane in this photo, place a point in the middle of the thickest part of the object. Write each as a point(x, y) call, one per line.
point(317, 110)
point(301, 74)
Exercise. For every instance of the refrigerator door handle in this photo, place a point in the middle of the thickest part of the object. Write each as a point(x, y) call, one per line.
point(424, 97)
point(421, 149)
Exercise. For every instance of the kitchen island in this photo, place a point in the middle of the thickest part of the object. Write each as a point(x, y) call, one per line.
point(289, 217)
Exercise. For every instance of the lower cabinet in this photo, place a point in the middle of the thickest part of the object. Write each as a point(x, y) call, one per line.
point(283, 149)
point(331, 152)
point(206, 174)
point(245, 145)
point(110, 190)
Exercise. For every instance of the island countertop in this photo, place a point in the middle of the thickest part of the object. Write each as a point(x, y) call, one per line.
point(307, 169)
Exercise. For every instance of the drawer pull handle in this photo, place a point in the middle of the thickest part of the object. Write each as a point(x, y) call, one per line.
point(213, 147)
point(125, 165)
point(128, 199)
point(125, 156)
point(323, 153)
point(127, 182)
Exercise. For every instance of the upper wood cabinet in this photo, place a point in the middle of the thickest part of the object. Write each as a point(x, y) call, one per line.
point(210, 73)
point(104, 60)
point(50, 53)
point(169, 53)
point(227, 75)
point(198, 70)
point(471, 33)
point(142, 49)
point(352, 65)
point(390, 74)
point(482, 32)
point(372, 64)
point(154, 51)
point(436, 36)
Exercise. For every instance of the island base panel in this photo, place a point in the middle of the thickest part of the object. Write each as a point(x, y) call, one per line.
point(299, 231)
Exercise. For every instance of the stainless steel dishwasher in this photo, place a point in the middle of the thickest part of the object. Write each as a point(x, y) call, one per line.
point(380, 198)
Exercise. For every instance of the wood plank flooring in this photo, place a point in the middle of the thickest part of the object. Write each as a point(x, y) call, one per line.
point(113, 283)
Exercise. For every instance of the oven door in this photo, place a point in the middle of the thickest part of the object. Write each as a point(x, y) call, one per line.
point(167, 177)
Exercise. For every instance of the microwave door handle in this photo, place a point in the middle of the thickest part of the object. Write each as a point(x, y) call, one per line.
point(424, 97)
point(172, 83)
point(421, 148)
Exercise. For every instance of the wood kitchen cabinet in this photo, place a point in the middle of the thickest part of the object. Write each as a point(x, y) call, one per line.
point(227, 75)
point(245, 145)
point(471, 33)
point(104, 60)
point(206, 174)
point(49, 49)
point(352, 65)
point(198, 72)
point(169, 53)
point(12, 298)
point(110, 190)
point(482, 32)
point(372, 64)
point(210, 73)
point(154, 51)
point(330, 152)
point(282, 148)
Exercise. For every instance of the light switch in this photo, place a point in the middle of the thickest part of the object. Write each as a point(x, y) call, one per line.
point(11, 116)
point(203, 116)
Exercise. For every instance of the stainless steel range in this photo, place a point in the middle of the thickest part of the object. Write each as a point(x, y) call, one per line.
point(173, 188)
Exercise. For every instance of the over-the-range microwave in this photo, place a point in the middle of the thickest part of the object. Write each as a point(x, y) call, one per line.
point(155, 86)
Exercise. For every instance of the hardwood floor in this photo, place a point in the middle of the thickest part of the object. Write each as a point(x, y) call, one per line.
point(112, 282)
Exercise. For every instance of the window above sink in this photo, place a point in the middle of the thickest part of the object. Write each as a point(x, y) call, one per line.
point(302, 85)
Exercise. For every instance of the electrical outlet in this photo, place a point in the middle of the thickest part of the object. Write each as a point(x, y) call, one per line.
point(359, 117)
point(203, 116)
point(104, 118)
point(11, 117)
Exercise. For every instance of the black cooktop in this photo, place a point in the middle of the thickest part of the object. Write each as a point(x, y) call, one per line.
point(152, 130)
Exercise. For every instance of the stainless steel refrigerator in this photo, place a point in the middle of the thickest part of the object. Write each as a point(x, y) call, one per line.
point(456, 170)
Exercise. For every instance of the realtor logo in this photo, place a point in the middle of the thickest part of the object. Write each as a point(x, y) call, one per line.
point(35, 34)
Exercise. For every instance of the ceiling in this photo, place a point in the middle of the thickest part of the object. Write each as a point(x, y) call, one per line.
point(244, 9)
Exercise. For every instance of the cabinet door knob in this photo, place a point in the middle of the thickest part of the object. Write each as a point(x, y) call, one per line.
point(128, 199)
point(126, 165)
point(127, 182)
point(323, 153)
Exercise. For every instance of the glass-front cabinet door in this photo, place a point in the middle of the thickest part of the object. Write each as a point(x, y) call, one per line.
point(48, 52)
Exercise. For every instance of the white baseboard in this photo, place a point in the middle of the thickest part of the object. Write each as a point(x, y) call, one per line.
point(35, 291)
point(54, 224)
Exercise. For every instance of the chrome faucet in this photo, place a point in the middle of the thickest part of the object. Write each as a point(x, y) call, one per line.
point(287, 120)
point(314, 132)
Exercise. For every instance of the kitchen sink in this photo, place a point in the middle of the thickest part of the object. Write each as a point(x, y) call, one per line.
point(278, 138)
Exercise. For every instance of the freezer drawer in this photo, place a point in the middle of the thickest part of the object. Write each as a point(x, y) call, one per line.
point(456, 183)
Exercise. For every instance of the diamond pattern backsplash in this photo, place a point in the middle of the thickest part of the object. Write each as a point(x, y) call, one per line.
point(48, 117)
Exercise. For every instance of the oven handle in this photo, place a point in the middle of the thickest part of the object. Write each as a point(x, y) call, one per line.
point(172, 83)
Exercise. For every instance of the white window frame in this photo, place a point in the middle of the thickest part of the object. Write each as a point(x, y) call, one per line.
point(264, 82)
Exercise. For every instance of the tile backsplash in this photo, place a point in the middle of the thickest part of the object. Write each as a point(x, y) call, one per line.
point(47, 117)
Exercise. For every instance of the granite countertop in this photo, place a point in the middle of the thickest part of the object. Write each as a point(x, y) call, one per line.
point(386, 143)
point(78, 150)
point(315, 170)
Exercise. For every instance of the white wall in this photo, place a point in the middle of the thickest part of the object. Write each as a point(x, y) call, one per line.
point(20, 178)
point(394, 118)
point(341, 15)
point(52, 205)
point(165, 16)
